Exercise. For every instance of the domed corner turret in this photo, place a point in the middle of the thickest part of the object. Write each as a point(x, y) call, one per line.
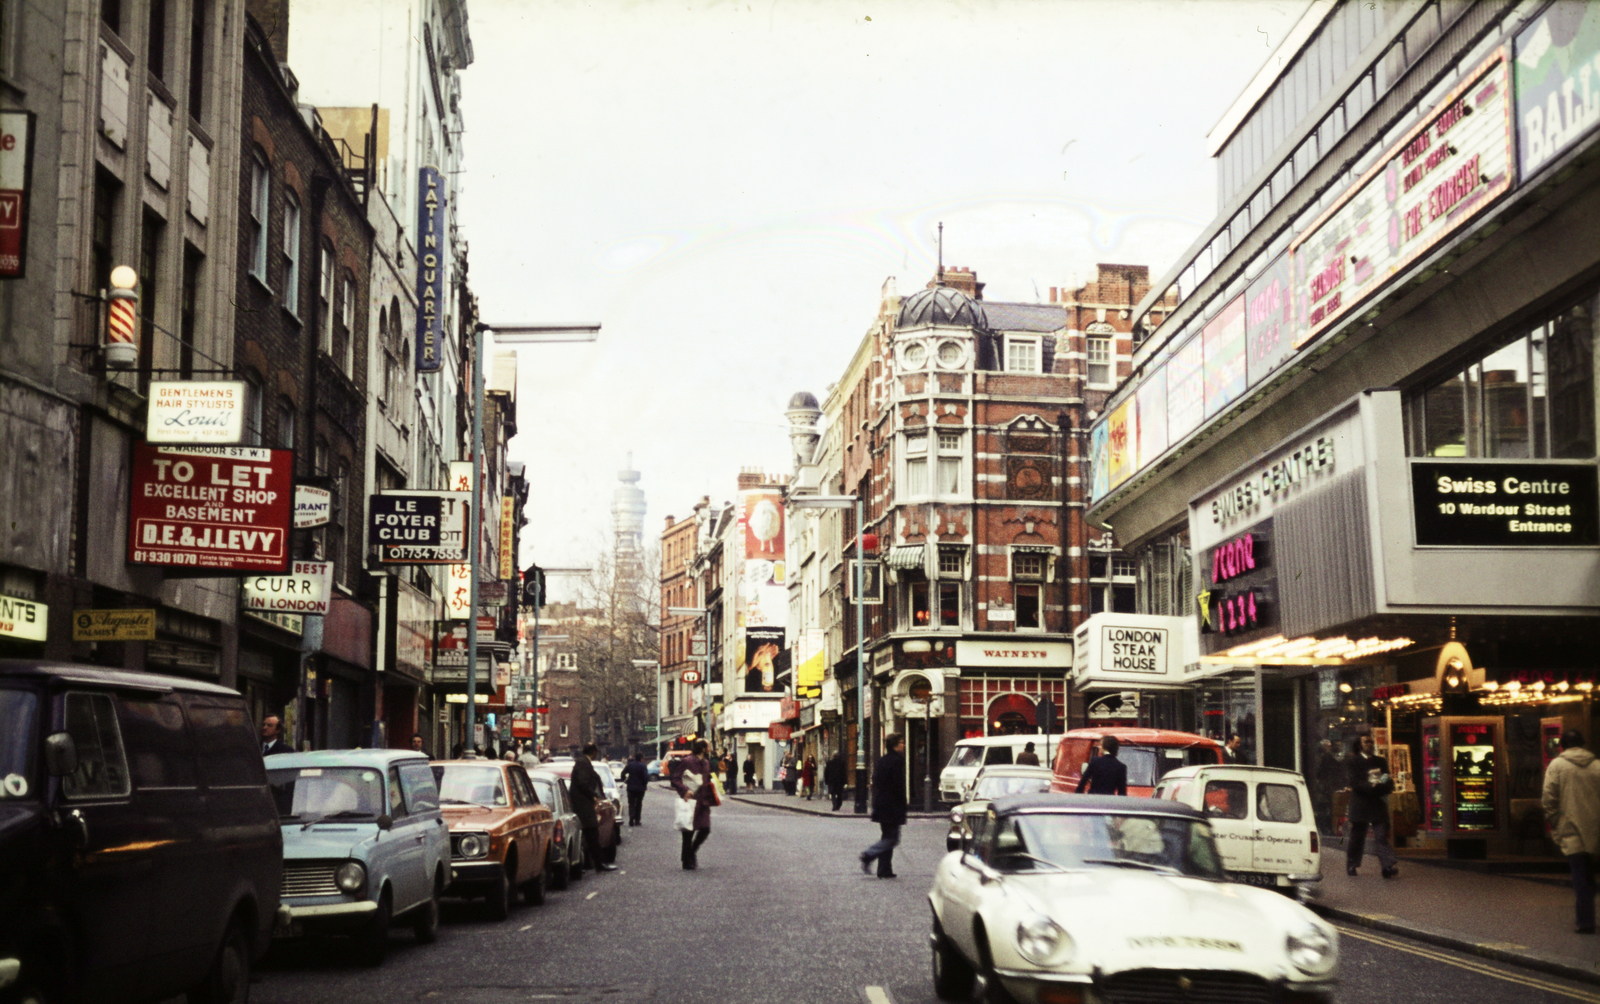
point(803, 413)
point(941, 305)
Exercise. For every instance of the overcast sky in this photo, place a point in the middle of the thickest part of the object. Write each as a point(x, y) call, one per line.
point(726, 187)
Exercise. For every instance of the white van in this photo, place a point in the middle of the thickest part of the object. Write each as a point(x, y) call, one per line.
point(1262, 820)
point(971, 755)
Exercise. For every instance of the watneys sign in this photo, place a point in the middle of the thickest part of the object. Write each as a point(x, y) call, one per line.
point(220, 509)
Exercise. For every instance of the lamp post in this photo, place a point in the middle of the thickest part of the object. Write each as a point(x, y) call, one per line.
point(847, 502)
point(510, 334)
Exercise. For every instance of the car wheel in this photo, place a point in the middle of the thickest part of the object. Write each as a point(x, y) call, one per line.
point(426, 924)
point(502, 894)
point(373, 943)
point(533, 889)
point(228, 981)
point(953, 975)
point(575, 869)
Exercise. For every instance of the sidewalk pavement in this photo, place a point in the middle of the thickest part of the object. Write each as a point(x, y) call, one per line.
point(1524, 919)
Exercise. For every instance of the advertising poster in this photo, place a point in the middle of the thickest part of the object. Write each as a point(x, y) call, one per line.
point(1267, 321)
point(306, 589)
point(1558, 81)
point(1150, 431)
point(431, 253)
point(763, 595)
point(1223, 342)
point(1442, 173)
point(218, 508)
point(1099, 461)
point(1119, 442)
point(1185, 390)
point(1472, 749)
point(16, 171)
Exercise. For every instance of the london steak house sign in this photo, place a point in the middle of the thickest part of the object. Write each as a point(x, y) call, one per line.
point(430, 269)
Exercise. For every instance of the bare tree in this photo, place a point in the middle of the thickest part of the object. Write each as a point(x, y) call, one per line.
point(617, 623)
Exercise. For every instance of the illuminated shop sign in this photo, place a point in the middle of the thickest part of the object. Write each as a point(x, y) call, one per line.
point(1558, 81)
point(221, 508)
point(1499, 504)
point(1238, 598)
point(1440, 175)
point(22, 619)
point(430, 269)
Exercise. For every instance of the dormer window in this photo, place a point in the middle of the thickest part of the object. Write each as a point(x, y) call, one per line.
point(1022, 354)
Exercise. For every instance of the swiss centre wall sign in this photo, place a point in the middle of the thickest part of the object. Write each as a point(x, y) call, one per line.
point(220, 508)
point(1440, 175)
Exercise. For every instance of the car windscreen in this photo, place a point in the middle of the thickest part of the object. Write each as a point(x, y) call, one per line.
point(1086, 840)
point(1146, 764)
point(19, 722)
point(464, 785)
point(304, 794)
point(966, 756)
point(994, 787)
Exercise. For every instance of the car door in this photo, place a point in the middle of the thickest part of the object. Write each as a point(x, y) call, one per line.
point(522, 832)
point(963, 885)
point(1282, 836)
point(421, 793)
point(406, 844)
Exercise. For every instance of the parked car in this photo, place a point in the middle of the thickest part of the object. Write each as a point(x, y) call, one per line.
point(1094, 897)
point(652, 770)
point(608, 779)
point(990, 784)
point(565, 861)
point(1147, 753)
point(499, 832)
point(605, 812)
point(1262, 820)
point(364, 844)
point(972, 755)
point(129, 798)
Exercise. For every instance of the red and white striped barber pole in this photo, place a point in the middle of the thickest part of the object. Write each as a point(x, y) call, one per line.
point(122, 319)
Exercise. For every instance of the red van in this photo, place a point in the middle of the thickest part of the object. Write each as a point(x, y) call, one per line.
point(1148, 754)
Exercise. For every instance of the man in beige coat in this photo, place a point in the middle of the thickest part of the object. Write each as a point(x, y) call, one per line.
point(1572, 808)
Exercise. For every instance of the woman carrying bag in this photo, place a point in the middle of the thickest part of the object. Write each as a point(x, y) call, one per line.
point(691, 779)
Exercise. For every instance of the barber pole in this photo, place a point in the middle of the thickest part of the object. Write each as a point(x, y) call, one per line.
point(122, 338)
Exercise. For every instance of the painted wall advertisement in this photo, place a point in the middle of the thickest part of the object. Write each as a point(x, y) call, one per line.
point(1151, 428)
point(219, 508)
point(1267, 321)
point(1558, 81)
point(1436, 178)
point(430, 269)
point(16, 173)
point(763, 594)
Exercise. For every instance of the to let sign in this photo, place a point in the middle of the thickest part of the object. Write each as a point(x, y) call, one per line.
point(16, 171)
point(223, 508)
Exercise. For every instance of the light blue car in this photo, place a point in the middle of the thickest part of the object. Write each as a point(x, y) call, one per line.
point(363, 844)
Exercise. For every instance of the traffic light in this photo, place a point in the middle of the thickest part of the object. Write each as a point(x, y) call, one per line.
point(533, 594)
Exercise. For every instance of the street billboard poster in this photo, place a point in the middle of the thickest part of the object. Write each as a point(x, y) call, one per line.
point(1267, 321)
point(451, 545)
point(1099, 460)
point(761, 647)
point(1186, 390)
point(1223, 340)
point(217, 508)
point(16, 175)
point(195, 411)
point(1119, 442)
point(763, 597)
point(1558, 81)
point(430, 269)
point(1150, 431)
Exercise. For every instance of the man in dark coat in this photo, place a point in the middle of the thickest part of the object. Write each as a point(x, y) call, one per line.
point(1370, 785)
point(272, 737)
point(691, 779)
point(587, 791)
point(888, 805)
point(1028, 758)
point(637, 780)
point(1105, 775)
point(833, 777)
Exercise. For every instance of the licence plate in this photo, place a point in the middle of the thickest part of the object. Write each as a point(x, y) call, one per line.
point(1267, 880)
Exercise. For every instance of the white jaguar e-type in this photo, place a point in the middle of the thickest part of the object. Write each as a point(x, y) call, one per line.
point(1081, 899)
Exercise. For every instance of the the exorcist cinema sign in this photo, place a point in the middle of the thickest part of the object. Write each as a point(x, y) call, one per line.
point(1272, 481)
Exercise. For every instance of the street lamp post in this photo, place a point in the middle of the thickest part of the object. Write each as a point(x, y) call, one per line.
point(643, 663)
point(847, 502)
point(511, 334)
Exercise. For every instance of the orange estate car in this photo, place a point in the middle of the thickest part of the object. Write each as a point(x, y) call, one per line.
point(1148, 753)
point(499, 833)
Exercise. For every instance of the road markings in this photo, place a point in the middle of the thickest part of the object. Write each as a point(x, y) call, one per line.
point(592, 895)
point(877, 995)
point(524, 927)
point(1472, 966)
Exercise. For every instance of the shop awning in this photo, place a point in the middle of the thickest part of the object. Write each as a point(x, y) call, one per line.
point(907, 557)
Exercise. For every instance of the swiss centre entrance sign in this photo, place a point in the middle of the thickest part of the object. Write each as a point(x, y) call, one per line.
point(218, 508)
point(1485, 503)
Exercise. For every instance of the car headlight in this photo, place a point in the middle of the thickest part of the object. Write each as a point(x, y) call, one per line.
point(1311, 950)
point(350, 876)
point(473, 845)
point(1042, 941)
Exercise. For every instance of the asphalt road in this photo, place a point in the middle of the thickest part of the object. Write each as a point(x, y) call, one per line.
point(778, 913)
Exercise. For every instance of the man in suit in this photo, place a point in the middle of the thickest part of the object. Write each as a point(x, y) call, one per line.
point(888, 805)
point(587, 791)
point(833, 778)
point(637, 781)
point(1230, 749)
point(272, 737)
point(1370, 785)
point(1105, 775)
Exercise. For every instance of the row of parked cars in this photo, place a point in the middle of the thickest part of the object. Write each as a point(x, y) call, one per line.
point(147, 849)
point(1189, 890)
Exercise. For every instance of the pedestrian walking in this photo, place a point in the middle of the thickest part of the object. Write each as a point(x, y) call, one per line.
point(637, 780)
point(1370, 785)
point(888, 806)
point(528, 758)
point(272, 737)
point(587, 791)
point(808, 778)
point(791, 774)
point(691, 779)
point(1572, 808)
point(1105, 775)
point(1028, 757)
point(749, 773)
point(833, 777)
point(730, 767)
